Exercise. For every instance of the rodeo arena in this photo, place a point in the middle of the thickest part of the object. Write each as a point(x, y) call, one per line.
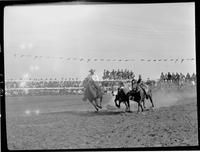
point(98, 76)
point(52, 114)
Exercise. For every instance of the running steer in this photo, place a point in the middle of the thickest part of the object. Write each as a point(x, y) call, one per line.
point(122, 97)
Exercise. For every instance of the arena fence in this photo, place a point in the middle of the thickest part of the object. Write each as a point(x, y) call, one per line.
point(108, 86)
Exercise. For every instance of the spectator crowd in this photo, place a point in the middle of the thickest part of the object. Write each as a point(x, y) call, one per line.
point(74, 86)
point(41, 87)
point(176, 78)
point(118, 74)
point(41, 84)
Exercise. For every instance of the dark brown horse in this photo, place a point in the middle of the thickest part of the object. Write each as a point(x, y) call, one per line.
point(139, 94)
point(92, 94)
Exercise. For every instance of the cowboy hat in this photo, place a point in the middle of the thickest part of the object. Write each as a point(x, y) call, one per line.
point(92, 70)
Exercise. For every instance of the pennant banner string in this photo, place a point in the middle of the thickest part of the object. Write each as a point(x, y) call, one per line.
point(34, 57)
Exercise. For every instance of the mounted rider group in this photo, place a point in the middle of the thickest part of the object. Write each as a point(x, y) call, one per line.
point(138, 92)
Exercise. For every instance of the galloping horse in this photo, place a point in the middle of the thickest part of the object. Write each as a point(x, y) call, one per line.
point(92, 94)
point(139, 94)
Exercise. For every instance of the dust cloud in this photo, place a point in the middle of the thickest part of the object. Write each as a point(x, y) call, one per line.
point(166, 97)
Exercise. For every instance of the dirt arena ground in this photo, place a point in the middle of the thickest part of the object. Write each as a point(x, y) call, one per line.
point(65, 122)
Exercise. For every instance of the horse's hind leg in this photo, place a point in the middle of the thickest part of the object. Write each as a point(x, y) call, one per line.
point(140, 106)
point(128, 105)
point(150, 97)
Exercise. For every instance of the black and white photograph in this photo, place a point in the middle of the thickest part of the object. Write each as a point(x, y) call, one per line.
point(81, 75)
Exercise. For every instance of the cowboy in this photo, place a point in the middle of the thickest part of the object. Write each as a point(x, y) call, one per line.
point(139, 79)
point(142, 84)
point(93, 76)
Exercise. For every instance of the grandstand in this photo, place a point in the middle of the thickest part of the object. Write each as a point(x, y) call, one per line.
point(74, 86)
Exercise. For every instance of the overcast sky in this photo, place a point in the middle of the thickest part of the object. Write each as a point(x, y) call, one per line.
point(108, 31)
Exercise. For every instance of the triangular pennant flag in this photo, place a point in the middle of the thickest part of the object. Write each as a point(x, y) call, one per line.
point(182, 60)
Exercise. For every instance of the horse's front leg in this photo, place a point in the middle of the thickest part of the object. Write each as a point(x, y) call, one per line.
point(144, 104)
point(116, 103)
point(101, 98)
point(94, 105)
point(140, 106)
point(99, 106)
point(128, 104)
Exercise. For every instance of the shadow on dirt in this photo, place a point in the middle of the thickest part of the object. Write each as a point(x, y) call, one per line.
point(86, 113)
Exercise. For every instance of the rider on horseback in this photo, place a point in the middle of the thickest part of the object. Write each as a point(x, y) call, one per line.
point(141, 84)
point(94, 80)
